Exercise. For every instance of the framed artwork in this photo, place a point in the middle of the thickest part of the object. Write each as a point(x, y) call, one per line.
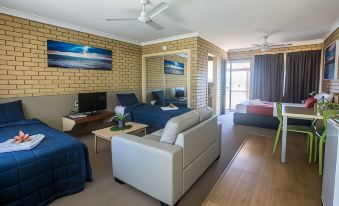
point(331, 62)
point(172, 67)
point(67, 55)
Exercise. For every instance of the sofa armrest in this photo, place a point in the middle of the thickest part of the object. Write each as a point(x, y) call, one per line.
point(152, 167)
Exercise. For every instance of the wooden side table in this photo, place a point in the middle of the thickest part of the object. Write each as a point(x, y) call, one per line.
point(107, 134)
point(68, 122)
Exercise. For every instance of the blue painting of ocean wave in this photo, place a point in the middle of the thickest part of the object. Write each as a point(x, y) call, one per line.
point(78, 63)
point(172, 67)
point(66, 55)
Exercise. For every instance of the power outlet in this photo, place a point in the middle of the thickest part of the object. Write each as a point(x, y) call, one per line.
point(76, 106)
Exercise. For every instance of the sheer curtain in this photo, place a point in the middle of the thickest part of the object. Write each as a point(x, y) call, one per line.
point(302, 75)
point(268, 77)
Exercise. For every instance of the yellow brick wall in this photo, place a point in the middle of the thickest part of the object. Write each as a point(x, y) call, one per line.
point(24, 70)
point(188, 43)
point(333, 85)
point(205, 49)
point(155, 73)
point(250, 54)
point(199, 50)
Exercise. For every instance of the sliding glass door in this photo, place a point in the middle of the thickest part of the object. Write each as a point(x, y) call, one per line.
point(237, 82)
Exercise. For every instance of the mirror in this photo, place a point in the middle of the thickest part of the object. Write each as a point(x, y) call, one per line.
point(166, 79)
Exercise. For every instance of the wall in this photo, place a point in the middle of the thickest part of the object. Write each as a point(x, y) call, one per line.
point(49, 93)
point(250, 54)
point(199, 50)
point(155, 71)
point(333, 85)
point(50, 109)
point(24, 71)
point(206, 48)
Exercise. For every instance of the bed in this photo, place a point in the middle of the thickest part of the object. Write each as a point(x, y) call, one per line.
point(161, 99)
point(262, 114)
point(58, 166)
point(151, 115)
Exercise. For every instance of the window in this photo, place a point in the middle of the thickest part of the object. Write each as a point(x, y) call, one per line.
point(210, 71)
point(237, 82)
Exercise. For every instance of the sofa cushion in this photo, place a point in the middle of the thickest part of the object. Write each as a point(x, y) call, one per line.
point(152, 137)
point(204, 113)
point(158, 132)
point(178, 124)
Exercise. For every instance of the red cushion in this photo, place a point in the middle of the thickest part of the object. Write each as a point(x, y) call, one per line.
point(309, 103)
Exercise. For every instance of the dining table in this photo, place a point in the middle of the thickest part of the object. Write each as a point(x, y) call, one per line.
point(292, 112)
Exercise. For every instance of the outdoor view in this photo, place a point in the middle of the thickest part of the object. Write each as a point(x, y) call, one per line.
point(237, 83)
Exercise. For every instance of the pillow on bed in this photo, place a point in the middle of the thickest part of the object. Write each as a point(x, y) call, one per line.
point(11, 112)
point(179, 93)
point(3, 118)
point(127, 99)
point(309, 103)
point(159, 95)
point(320, 96)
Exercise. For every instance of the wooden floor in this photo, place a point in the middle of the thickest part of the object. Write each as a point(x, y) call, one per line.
point(257, 178)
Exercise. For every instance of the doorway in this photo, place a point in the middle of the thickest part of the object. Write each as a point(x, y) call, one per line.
point(237, 82)
point(210, 81)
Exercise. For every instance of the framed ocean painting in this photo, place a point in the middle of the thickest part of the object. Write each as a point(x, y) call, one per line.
point(67, 55)
point(330, 62)
point(172, 67)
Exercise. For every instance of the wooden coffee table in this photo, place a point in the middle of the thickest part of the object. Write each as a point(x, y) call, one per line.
point(107, 134)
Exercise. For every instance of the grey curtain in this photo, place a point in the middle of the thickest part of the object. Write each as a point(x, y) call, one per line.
point(302, 75)
point(268, 77)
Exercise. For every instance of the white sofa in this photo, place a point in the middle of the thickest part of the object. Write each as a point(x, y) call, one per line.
point(163, 170)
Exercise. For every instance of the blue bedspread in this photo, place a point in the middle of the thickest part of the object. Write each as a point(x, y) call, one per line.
point(58, 166)
point(153, 115)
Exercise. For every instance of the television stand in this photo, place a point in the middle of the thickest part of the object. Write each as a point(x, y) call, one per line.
point(68, 122)
point(93, 113)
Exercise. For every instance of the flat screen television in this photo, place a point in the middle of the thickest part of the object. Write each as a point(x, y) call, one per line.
point(92, 102)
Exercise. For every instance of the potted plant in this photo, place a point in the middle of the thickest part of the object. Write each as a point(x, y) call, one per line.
point(121, 119)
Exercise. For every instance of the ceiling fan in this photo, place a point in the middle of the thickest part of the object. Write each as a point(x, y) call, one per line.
point(266, 46)
point(146, 16)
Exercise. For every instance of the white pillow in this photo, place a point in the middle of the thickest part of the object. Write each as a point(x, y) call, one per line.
point(178, 124)
point(204, 113)
point(328, 97)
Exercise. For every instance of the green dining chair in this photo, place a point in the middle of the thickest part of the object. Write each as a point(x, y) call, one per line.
point(294, 128)
point(321, 137)
point(326, 106)
point(319, 126)
point(319, 107)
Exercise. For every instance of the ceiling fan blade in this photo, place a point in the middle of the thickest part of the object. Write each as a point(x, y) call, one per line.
point(257, 45)
point(280, 45)
point(157, 9)
point(121, 19)
point(154, 25)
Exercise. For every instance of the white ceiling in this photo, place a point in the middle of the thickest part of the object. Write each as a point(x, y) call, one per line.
point(230, 24)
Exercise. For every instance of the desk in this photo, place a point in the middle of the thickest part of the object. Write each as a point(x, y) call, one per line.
point(294, 113)
point(68, 122)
